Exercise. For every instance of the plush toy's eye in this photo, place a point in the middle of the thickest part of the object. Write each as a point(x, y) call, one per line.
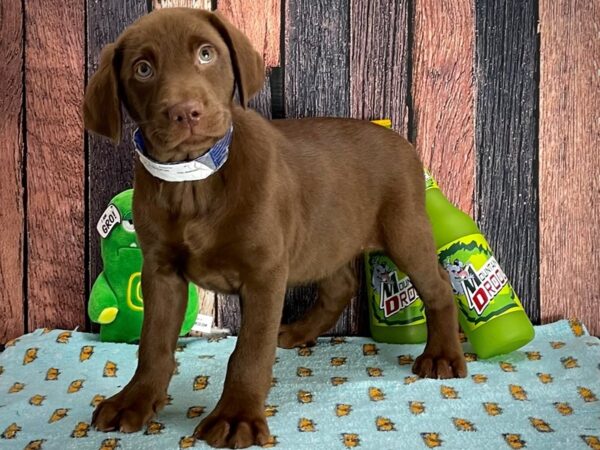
point(206, 53)
point(143, 70)
point(128, 226)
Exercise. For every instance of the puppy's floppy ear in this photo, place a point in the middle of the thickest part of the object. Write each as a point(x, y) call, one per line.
point(248, 65)
point(102, 107)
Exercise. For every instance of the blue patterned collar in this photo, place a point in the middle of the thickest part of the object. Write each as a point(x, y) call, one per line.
point(197, 169)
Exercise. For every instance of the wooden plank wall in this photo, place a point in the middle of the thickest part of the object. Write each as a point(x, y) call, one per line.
point(506, 67)
point(317, 80)
point(12, 217)
point(379, 77)
point(261, 21)
point(379, 85)
point(460, 78)
point(203, 4)
point(109, 167)
point(442, 126)
point(570, 161)
point(54, 82)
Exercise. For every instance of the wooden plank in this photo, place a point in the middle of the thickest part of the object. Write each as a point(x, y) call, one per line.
point(317, 80)
point(261, 22)
point(506, 124)
point(379, 76)
point(262, 101)
point(442, 94)
point(228, 312)
point(378, 89)
point(202, 4)
point(208, 300)
point(317, 75)
point(54, 74)
point(570, 161)
point(11, 160)
point(110, 168)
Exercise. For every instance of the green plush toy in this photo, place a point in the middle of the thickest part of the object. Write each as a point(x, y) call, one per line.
point(116, 300)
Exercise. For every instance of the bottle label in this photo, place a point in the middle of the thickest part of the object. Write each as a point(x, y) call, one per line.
point(480, 286)
point(429, 181)
point(394, 300)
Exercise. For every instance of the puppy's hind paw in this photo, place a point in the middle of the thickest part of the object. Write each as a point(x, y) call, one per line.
point(291, 337)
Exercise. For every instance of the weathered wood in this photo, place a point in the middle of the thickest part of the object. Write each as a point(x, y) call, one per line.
point(317, 75)
point(570, 161)
point(379, 61)
point(206, 298)
point(11, 160)
point(110, 167)
point(201, 4)
point(442, 94)
point(317, 79)
point(228, 312)
point(276, 78)
point(54, 74)
point(261, 22)
point(262, 101)
point(506, 135)
point(378, 89)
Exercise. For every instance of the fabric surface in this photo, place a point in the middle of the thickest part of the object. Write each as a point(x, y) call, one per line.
point(342, 393)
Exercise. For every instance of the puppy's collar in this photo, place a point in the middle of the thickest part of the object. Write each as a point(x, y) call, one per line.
point(197, 169)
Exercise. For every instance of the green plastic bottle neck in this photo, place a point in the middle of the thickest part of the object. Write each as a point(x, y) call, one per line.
point(448, 222)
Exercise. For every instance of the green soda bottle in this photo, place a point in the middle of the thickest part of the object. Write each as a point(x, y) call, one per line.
point(397, 314)
point(490, 312)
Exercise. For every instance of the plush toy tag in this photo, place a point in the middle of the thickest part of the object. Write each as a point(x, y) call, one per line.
point(110, 219)
point(203, 323)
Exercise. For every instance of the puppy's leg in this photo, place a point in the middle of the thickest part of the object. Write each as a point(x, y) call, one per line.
point(165, 300)
point(335, 292)
point(238, 420)
point(409, 241)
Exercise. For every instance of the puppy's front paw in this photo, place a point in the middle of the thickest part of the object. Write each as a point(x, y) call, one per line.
point(441, 364)
point(129, 410)
point(240, 429)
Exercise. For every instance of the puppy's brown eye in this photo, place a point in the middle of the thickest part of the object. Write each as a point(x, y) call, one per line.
point(206, 53)
point(143, 70)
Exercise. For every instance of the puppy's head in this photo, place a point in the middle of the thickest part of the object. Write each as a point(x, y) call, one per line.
point(175, 71)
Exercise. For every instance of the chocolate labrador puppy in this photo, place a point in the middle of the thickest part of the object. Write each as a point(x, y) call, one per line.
point(239, 204)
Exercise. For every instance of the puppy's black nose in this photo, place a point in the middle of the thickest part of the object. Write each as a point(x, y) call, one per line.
point(186, 113)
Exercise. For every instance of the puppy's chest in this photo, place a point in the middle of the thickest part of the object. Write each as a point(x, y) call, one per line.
point(212, 273)
point(210, 259)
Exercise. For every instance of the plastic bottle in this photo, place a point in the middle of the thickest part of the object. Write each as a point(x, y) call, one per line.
point(397, 313)
point(490, 312)
point(492, 319)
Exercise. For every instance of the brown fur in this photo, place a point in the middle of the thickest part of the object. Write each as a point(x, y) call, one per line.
point(296, 202)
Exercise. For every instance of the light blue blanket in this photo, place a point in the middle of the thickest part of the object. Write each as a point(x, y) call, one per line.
point(343, 393)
